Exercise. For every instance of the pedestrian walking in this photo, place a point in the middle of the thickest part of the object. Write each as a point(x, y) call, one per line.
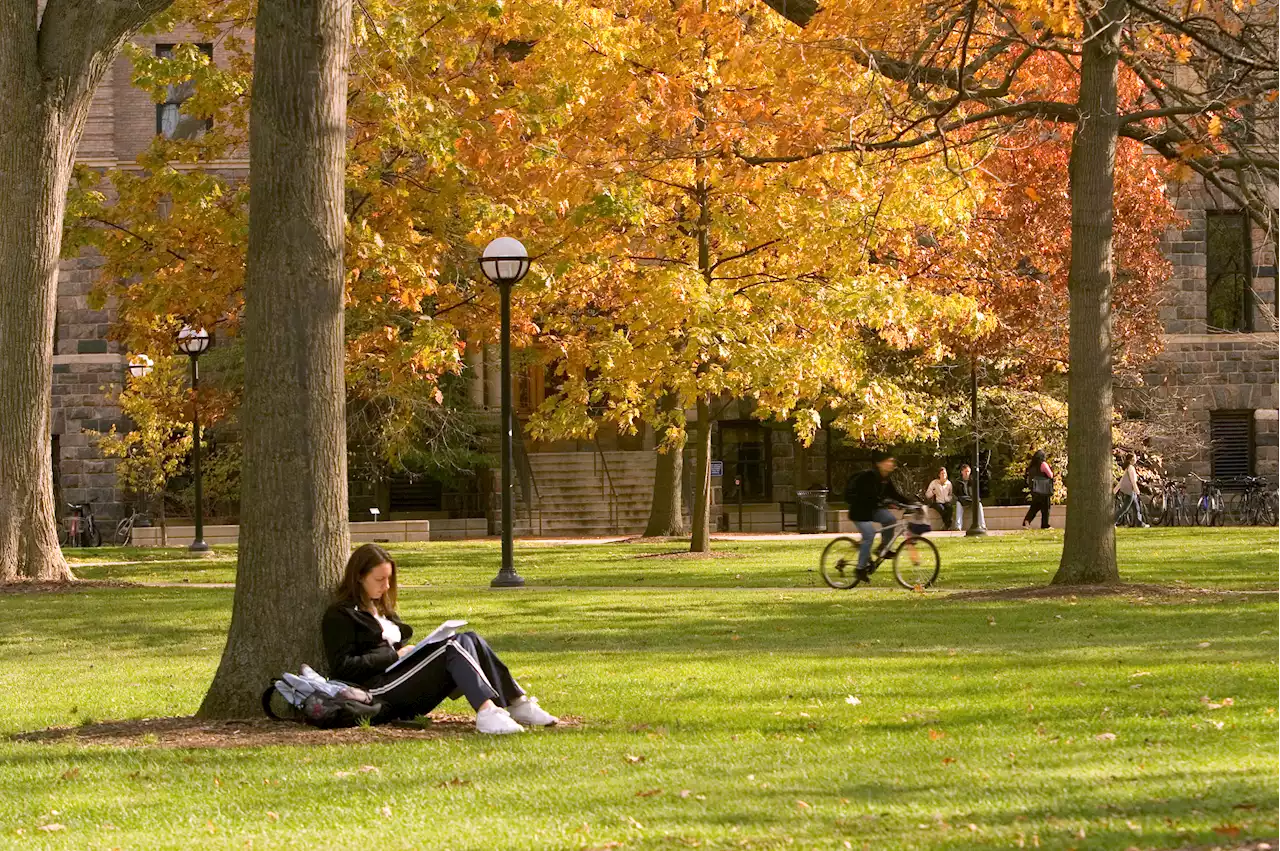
point(1040, 483)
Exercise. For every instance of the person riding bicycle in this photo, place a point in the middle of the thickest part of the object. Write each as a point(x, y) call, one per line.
point(869, 494)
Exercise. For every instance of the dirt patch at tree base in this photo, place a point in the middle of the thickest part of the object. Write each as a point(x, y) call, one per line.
point(23, 586)
point(685, 554)
point(190, 732)
point(1133, 590)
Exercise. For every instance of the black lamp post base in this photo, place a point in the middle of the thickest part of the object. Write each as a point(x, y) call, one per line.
point(978, 528)
point(507, 579)
point(199, 547)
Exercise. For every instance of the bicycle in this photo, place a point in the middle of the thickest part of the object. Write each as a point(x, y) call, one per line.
point(916, 562)
point(1126, 511)
point(1169, 504)
point(1210, 508)
point(124, 529)
point(81, 530)
point(1257, 502)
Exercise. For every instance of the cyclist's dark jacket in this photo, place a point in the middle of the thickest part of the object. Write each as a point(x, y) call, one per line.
point(868, 491)
point(354, 644)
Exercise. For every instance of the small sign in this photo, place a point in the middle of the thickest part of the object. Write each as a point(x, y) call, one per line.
point(717, 468)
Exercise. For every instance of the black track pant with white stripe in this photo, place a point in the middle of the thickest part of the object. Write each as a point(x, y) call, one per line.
point(463, 663)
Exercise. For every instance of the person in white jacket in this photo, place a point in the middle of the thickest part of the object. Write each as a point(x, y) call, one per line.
point(941, 495)
point(1128, 486)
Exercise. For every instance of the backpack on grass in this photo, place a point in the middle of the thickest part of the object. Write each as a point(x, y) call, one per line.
point(309, 698)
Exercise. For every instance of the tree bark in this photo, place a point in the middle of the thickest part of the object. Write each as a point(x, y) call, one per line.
point(1089, 550)
point(50, 67)
point(294, 537)
point(666, 512)
point(700, 542)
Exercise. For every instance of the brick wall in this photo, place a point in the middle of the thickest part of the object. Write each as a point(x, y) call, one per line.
point(1201, 371)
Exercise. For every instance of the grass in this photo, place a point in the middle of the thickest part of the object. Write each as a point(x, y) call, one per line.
point(1239, 558)
point(716, 716)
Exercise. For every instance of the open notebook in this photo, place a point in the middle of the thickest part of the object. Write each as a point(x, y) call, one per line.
point(444, 631)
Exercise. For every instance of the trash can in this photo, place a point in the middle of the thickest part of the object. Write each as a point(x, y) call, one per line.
point(811, 511)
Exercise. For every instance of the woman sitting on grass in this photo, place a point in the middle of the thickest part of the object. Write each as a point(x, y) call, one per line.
point(363, 637)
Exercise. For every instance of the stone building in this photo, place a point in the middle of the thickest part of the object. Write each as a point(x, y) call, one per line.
point(1218, 374)
point(88, 366)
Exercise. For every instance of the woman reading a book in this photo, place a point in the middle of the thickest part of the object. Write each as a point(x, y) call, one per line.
point(368, 646)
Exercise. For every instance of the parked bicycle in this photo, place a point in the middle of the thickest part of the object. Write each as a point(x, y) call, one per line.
point(916, 562)
point(1170, 505)
point(1257, 502)
point(1210, 507)
point(124, 529)
point(80, 529)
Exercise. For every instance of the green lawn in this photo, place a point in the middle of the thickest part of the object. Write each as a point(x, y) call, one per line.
point(715, 717)
point(1240, 558)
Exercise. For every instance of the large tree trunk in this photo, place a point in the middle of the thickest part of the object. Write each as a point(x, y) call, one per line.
point(700, 542)
point(666, 512)
point(294, 537)
point(50, 67)
point(1089, 551)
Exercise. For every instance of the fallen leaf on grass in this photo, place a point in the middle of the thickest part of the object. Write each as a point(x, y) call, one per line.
point(71, 774)
point(53, 827)
point(634, 759)
point(684, 793)
point(384, 811)
point(1203, 644)
point(1227, 829)
point(365, 769)
point(1106, 737)
point(273, 816)
point(802, 805)
point(1140, 674)
point(947, 760)
point(853, 701)
point(648, 793)
point(1245, 807)
point(934, 735)
point(453, 781)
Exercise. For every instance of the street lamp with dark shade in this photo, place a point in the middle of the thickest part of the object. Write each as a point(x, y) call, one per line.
point(505, 262)
point(194, 342)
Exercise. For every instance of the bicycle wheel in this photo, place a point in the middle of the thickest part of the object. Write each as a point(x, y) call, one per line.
point(839, 562)
point(916, 563)
point(64, 536)
point(92, 536)
point(124, 532)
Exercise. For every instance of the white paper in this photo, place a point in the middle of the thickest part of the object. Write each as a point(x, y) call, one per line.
point(443, 631)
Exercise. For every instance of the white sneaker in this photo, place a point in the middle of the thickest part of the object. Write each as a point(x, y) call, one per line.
point(496, 720)
point(527, 711)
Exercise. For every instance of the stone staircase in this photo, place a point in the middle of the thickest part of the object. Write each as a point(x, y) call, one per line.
point(587, 494)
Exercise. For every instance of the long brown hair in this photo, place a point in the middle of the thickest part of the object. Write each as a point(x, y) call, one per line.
point(363, 560)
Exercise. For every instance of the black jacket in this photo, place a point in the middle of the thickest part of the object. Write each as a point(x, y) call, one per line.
point(963, 490)
point(868, 491)
point(354, 645)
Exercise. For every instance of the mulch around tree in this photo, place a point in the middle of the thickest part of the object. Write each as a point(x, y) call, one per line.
point(685, 554)
point(190, 732)
point(33, 587)
point(1133, 590)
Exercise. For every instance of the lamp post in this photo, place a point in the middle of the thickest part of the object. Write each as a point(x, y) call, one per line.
point(977, 522)
point(140, 366)
point(194, 342)
point(505, 262)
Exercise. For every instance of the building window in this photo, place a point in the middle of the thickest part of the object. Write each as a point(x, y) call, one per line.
point(746, 452)
point(1231, 444)
point(171, 121)
point(1228, 262)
